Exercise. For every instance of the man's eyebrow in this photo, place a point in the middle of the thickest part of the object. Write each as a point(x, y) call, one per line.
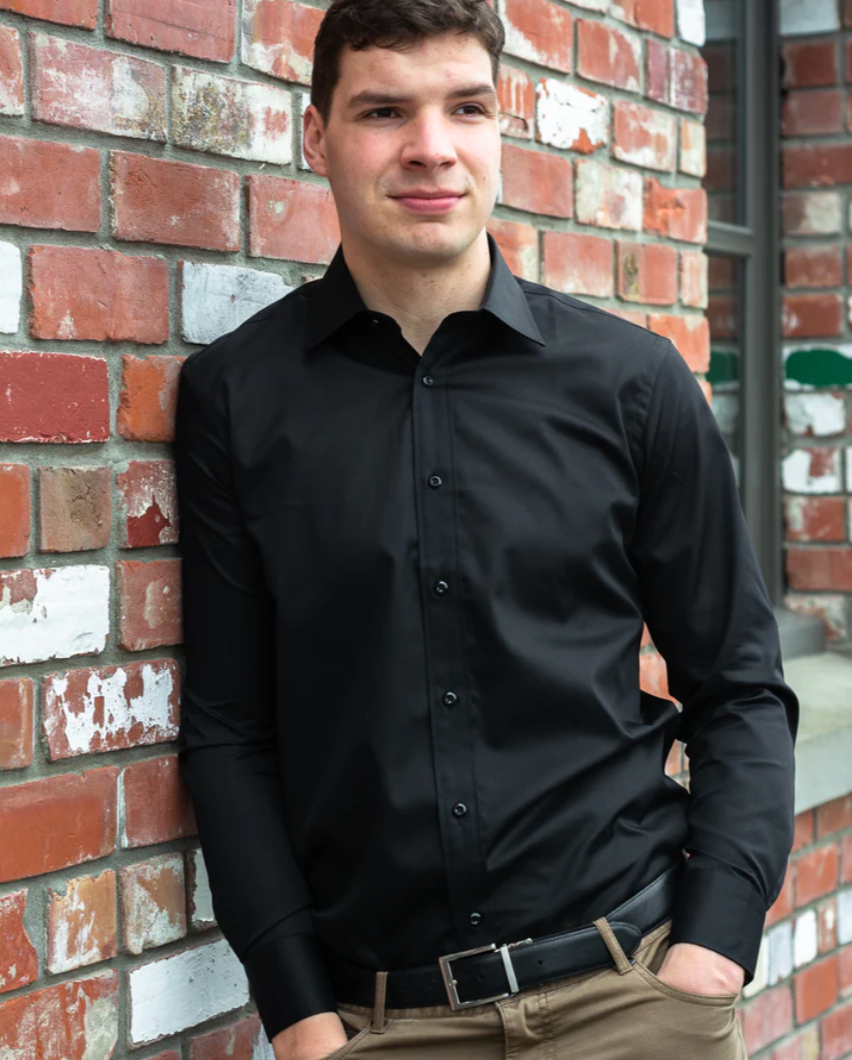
point(385, 99)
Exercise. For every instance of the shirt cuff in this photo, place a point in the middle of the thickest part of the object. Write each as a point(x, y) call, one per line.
point(288, 977)
point(722, 912)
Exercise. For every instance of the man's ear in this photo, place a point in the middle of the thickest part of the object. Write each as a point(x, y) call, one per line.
point(313, 141)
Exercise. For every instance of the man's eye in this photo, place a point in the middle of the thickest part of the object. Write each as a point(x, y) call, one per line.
point(385, 110)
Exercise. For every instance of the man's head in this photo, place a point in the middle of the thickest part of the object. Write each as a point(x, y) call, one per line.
point(404, 106)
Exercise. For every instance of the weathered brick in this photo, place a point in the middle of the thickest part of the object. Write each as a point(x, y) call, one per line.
point(278, 38)
point(808, 315)
point(516, 94)
point(14, 510)
point(810, 64)
point(571, 117)
point(242, 119)
point(814, 470)
point(153, 902)
point(829, 609)
point(689, 82)
point(820, 570)
point(644, 136)
point(148, 398)
point(816, 989)
point(54, 823)
point(578, 264)
point(518, 244)
point(86, 293)
point(815, 518)
point(291, 219)
point(157, 804)
point(609, 56)
point(539, 31)
point(834, 816)
point(693, 278)
point(690, 334)
point(607, 196)
point(236, 1040)
point(96, 710)
point(53, 397)
point(658, 71)
point(677, 213)
point(199, 898)
point(11, 288)
point(537, 182)
point(693, 148)
point(11, 72)
point(204, 31)
point(782, 907)
point(811, 113)
point(811, 213)
point(82, 926)
point(172, 202)
point(816, 266)
point(16, 728)
point(817, 164)
point(87, 88)
point(18, 956)
point(75, 510)
point(149, 596)
point(216, 299)
point(654, 15)
point(82, 13)
point(800, 17)
point(836, 1030)
point(77, 1018)
point(647, 272)
point(767, 1017)
point(149, 503)
point(32, 195)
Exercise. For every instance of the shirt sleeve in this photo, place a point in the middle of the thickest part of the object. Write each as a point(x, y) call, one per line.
point(709, 614)
point(227, 741)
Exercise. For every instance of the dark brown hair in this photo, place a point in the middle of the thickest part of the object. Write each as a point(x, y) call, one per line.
point(401, 24)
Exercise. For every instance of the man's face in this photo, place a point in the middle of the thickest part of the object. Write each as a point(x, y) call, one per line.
point(404, 126)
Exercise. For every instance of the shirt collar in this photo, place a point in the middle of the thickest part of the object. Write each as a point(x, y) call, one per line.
point(335, 299)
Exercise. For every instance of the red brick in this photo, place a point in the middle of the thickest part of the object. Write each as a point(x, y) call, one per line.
point(153, 905)
point(820, 569)
point(291, 219)
point(817, 165)
point(53, 397)
point(539, 31)
point(647, 272)
point(149, 603)
point(236, 1041)
point(149, 503)
point(33, 197)
point(846, 863)
point(782, 907)
point(834, 816)
point(816, 988)
point(805, 1046)
point(658, 71)
point(810, 65)
point(819, 266)
point(811, 315)
point(82, 926)
point(837, 1034)
point(606, 55)
point(278, 38)
point(51, 824)
point(644, 136)
point(578, 264)
point(11, 72)
point(815, 518)
point(767, 1017)
point(14, 510)
point(157, 805)
point(537, 182)
point(516, 93)
point(18, 956)
point(204, 31)
point(148, 398)
point(803, 834)
point(75, 511)
point(82, 13)
point(693, 148)
point(812, 113)
point(633, 315)
point(844, 967)
point(518, 244)
point(16, 726)
point(654, 15)
point(87, 88)
point(174, 202)
point(73, 1019)
point(83, 293)
point(817, 873)
point(689, 82)
point(693, 278)
point(690, 334)
point(677, 213)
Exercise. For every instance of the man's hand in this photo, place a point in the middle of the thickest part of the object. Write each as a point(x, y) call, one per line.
point(313, 1038)
point(699, 970)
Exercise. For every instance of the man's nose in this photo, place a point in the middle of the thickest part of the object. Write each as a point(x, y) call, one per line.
point(429, 141)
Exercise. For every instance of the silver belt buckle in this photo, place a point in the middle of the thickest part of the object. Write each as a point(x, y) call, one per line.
point(451, 984)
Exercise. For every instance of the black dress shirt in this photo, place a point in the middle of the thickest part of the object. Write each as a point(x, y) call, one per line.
point(414, 590)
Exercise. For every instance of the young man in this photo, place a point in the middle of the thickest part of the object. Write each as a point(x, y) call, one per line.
point(425, 509)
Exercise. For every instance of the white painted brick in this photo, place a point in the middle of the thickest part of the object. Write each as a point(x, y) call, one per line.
point(690, 21)
point(805, 944)
point(815, 414)
point(592, 5)
point(608, 197)
point(570, 117)
point(780, 952)
point(11, 288)
point(218, 298)
point(200, 895)
point(183, 990)
point(56, 614)
point(849, 470)
point(809, 16)
point(844, 916)
point(798, 476)
point(758, 983)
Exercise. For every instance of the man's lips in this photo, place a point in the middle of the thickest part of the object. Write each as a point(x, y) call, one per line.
point(429, 202)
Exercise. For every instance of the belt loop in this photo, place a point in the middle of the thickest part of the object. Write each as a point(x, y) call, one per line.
point(622, 962)
point(378, 1024)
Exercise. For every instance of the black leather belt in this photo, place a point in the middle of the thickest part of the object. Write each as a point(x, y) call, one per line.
point(490, 973)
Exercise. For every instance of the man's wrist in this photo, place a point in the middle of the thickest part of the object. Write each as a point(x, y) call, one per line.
point(712, 971)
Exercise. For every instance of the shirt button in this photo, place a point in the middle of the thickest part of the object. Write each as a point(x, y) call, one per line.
point(441, 587)
point(474, 918)
point(435, 481)
point(460, 809)
point(374, 320)
point(450, 698)
point(427, 380)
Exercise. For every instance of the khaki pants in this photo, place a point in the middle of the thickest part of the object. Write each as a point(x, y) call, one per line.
point(617, 1013)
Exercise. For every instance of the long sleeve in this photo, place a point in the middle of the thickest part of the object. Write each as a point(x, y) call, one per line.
point(709, 614)
point(227, 742)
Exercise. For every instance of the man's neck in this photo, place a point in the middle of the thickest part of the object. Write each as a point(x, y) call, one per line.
point(419, 299)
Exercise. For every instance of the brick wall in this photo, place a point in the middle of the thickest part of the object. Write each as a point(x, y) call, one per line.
point(153, 194)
